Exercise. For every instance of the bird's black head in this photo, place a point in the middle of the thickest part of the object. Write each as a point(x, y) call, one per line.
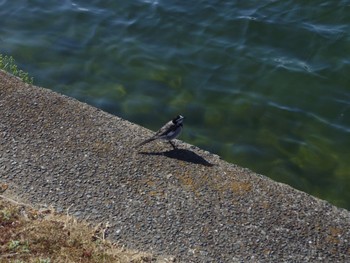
point(178, 119)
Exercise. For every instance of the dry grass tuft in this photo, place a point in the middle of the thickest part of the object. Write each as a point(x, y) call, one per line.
point(29, 235)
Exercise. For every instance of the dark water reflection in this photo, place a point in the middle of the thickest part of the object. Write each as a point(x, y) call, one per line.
point(263, 84)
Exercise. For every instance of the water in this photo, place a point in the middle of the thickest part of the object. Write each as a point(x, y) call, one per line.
point(264, 84)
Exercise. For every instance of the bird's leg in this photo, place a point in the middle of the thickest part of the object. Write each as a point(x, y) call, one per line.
point(172, 144)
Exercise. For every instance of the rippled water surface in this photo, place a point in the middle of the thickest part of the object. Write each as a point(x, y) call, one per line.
point(264, 84)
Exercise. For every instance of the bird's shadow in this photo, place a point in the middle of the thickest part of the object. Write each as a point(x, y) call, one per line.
point(183, 155)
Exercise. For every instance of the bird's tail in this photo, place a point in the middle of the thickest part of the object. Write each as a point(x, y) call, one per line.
point(146, 141)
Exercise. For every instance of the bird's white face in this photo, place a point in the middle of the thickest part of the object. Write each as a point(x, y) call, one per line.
point(178, 120)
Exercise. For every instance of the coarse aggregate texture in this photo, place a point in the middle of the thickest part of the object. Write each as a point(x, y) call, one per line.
point(188, 203)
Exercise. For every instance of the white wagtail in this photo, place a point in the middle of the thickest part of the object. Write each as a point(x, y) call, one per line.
point(168, 132)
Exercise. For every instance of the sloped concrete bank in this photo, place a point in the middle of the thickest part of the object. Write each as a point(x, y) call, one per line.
point(188, 203)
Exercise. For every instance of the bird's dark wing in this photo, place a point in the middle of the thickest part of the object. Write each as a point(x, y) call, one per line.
point(165, 129)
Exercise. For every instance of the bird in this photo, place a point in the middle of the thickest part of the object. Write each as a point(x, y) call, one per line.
point(168, 132)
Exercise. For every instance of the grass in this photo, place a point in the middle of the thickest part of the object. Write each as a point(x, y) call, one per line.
point(8, 64)
point(30, 235)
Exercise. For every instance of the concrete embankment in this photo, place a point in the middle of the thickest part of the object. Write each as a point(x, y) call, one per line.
point(188, 203)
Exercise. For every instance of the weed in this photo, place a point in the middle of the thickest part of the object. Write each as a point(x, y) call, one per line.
point(6, 215)
point(45, 260)
point(8, 64)
point(14, 244)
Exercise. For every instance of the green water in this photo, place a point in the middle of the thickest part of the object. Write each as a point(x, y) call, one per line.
point(264, 84)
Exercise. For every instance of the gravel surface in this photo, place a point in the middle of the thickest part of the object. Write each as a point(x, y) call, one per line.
point(187, 203)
